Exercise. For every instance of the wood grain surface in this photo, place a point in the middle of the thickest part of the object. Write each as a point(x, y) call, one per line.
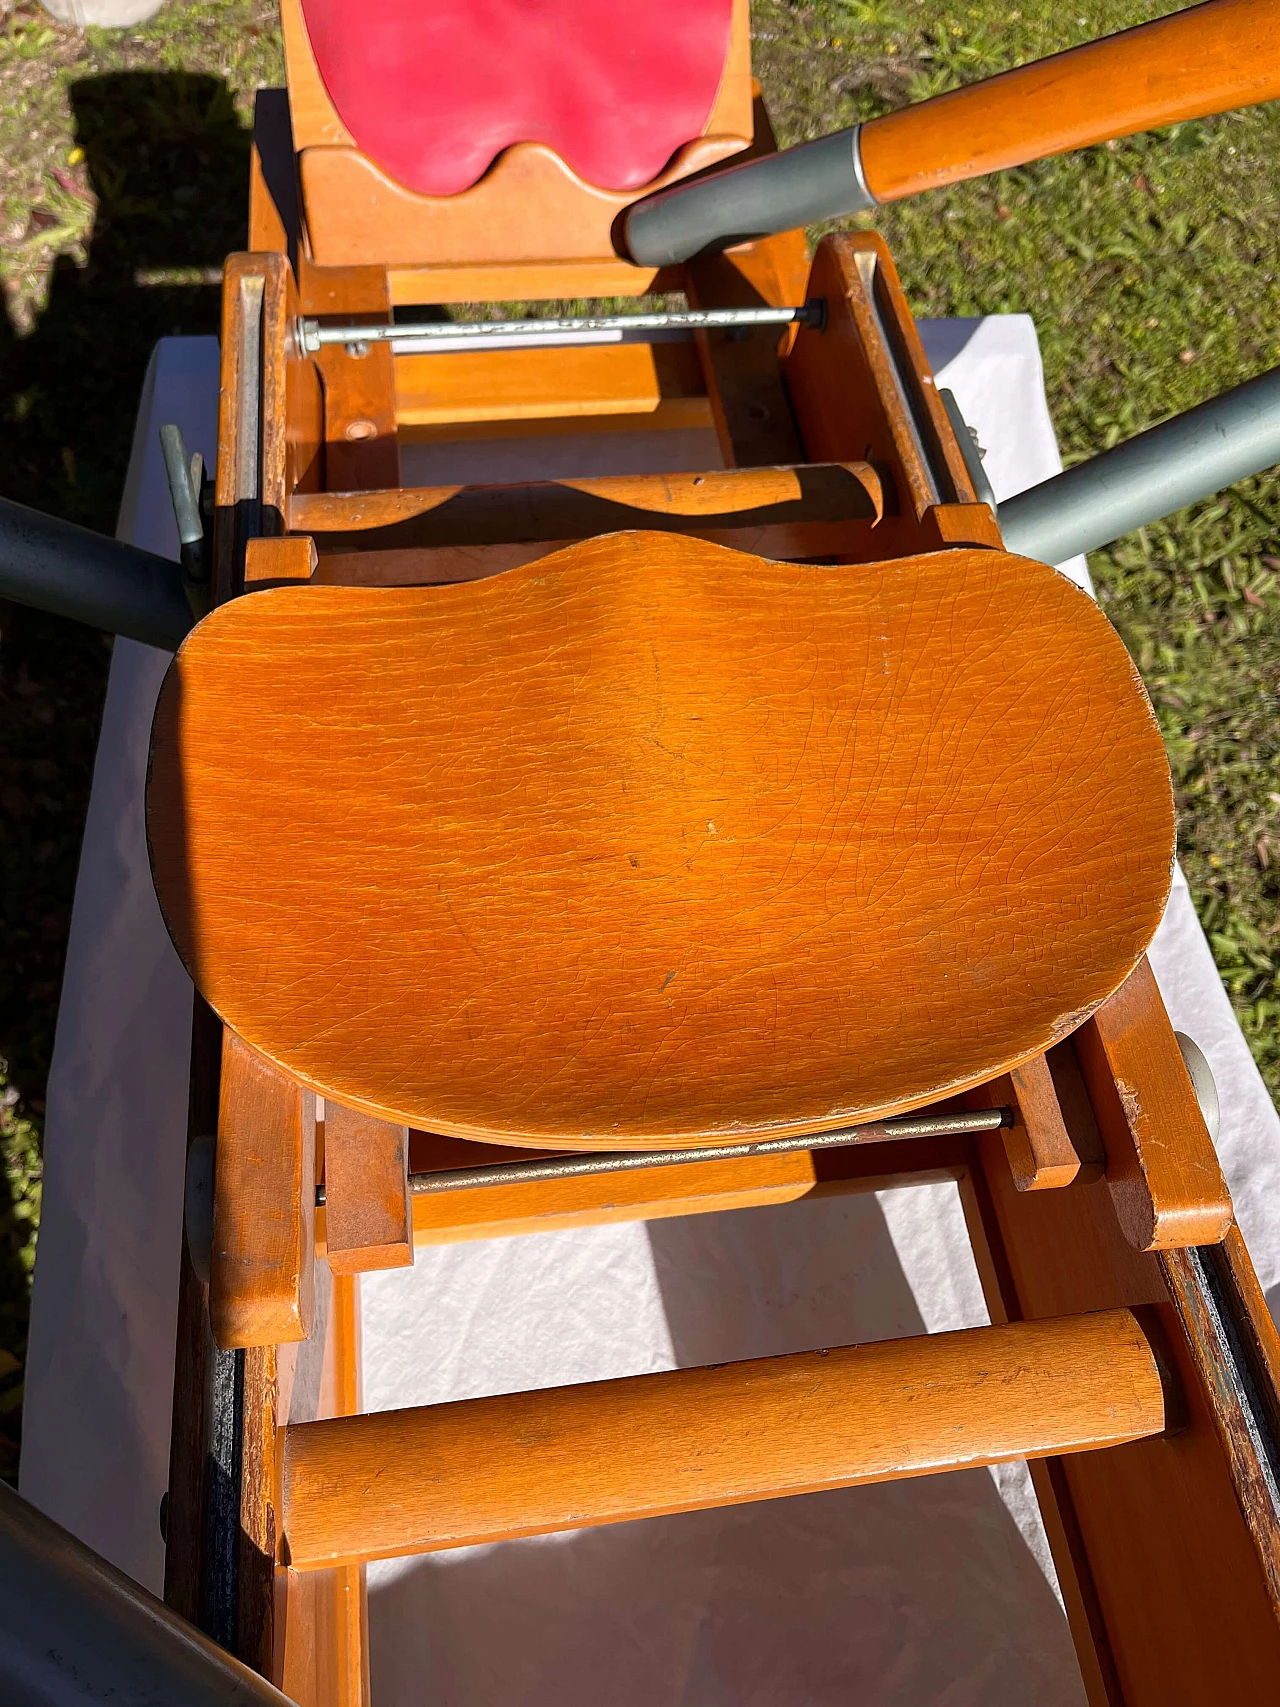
point(479, 1470)
point(1162, 1169)
point(261, 1281)
point(368, 1219)
point(659, 1193)
point(656, 842)
point(661, 382)
point(1203, 60)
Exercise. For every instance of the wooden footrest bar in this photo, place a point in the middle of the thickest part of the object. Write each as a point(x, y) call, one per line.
point(481, 1470)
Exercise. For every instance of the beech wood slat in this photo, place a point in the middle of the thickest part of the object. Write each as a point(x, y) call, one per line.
point(743, 372)
point(657, 1193)
point(321, 1653)
point(275, 562)
point(483, 1470)
point(1202, 60)
point(261, 1288)
point(1041, 1149)
point(559, 787)
point(359, 391)
point(451, 515)
point(1162, 1169)
point(662, 382)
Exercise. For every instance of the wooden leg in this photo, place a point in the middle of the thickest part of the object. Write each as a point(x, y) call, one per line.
point(1162, 1169)
point(1165, 1578)
point(261, 1282)
point(361, 450)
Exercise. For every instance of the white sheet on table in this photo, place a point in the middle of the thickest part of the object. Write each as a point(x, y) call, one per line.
point(909, 1593)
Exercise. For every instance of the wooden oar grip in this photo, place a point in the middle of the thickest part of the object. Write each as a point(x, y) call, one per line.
point(1205, 60)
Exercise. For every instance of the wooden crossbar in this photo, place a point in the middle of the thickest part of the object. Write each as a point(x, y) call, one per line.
point(480, 1470)
point(455, 533)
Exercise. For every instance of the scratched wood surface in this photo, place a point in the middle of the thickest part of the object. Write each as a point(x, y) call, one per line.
point(1162, 1168)
point(653, 841)
point(481, 1470)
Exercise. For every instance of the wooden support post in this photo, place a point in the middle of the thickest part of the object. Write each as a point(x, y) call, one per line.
point(361, 451)
point(1161, 1165)
point(610, 1451)
point(1042, 1152)
point(864, 380)
point(261, 1287)
point(1159, 1546)
point(743, 374)
point(368, 1220)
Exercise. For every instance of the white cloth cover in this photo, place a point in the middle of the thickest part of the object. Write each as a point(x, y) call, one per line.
point(937, 1590)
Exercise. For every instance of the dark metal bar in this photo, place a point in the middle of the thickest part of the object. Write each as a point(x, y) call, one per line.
point(1188, 458)
point(624, 1161)
point(74, 1629)
point(55, 566)
point(776, 192)
point(969, 449)
point(182, 491)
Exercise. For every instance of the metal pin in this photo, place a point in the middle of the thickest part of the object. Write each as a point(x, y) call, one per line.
point(479, 334)
point(625, 1161)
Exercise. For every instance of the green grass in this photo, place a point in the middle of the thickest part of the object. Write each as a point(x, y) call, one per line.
point(1148, 266)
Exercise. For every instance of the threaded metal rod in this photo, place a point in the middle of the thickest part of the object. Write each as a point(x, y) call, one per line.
point(457, 334)
point(624, 1161)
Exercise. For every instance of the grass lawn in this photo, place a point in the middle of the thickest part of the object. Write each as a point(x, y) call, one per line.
point(1148, 266)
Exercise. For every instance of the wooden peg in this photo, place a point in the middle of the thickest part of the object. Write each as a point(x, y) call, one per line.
point(261, 1287)
point(1041, 1153)
point(1162, 1169)
point(368, 1215)
point(275, 562)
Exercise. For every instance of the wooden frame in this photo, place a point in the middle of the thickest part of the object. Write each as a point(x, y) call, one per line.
point(1099, 1215)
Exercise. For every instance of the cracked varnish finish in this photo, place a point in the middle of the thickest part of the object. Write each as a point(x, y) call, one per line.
point(656, 841)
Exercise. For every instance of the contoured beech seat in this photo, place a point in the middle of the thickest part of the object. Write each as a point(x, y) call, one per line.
point(652, 842)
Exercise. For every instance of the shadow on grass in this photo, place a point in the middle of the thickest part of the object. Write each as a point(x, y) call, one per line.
point(167, 159)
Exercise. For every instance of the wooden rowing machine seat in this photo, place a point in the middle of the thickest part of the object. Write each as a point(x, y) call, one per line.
point(653, 842)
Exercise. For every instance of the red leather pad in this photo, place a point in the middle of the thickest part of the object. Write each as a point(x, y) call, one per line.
point(434, 90)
